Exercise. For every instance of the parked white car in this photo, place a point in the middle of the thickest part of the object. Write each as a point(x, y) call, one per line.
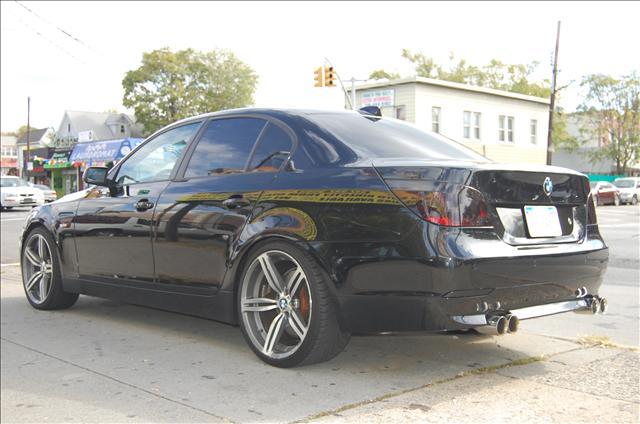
point(49, 194)
point(629, 189)
point(16, 192)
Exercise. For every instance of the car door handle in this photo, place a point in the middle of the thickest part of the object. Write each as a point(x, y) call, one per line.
point(236, 202)
point(143, 205)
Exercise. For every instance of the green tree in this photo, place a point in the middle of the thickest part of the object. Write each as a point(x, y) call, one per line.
point(561, 138)
point(612, 105)
point(173, 85)
point(495, 74)
point(382, 74)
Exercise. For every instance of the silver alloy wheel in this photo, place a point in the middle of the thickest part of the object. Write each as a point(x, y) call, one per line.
point(276, 304)
point(37, 268)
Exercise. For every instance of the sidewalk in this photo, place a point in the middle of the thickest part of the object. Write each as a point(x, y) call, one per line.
point(586, 385)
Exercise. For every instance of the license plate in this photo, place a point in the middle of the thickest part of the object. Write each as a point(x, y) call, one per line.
point(27, 201)
point(542, 221)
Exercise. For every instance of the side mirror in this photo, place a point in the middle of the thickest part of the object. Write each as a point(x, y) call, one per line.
point(96, 175)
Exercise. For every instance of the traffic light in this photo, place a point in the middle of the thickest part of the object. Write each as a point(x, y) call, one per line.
point(329, 77)
point(318, 77)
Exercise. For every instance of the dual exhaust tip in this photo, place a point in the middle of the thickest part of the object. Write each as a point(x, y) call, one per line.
point(598, 305)
point(501, 324)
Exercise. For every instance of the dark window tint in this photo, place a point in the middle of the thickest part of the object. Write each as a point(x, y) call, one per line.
point(274, 147)
point(224, 147)
point(389, 138)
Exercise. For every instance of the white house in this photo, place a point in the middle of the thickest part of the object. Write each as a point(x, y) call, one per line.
point(503, 126)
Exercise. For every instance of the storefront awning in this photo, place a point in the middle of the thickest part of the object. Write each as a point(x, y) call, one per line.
point(59, 159)
point(102, 152)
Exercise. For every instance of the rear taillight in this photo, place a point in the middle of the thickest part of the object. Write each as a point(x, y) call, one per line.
point(450, 205)
point(591, 211)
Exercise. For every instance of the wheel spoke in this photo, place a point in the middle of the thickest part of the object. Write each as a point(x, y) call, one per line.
point(32, 257)
point(259, 304)
point(271, 273)
point(41, 247)
point(295, 321)
point(294, 281)
point(33, 279)
point(273, 335)
point(43, 287)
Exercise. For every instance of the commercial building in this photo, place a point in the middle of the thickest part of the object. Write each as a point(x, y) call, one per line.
point(8, 155)
point(503, 126)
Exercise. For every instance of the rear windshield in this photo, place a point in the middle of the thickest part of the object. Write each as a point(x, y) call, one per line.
point(373, 137)
point(624, 183)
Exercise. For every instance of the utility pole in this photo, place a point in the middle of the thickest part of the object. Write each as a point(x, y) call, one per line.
point(28, 134)
point(552, 103)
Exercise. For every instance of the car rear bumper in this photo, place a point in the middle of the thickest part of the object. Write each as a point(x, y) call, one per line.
point(441, 294)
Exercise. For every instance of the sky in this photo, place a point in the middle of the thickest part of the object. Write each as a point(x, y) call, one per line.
point(73, 55)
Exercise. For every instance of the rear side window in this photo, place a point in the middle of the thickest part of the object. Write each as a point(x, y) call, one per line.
point(224, 146)
point(273, 148)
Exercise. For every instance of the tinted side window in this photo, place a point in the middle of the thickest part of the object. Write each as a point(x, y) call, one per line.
point(266, 157)
point(155, 160)
point(224, 146)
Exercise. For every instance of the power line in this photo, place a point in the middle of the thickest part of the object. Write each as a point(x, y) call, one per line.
point(77, 40)
point(56, 45)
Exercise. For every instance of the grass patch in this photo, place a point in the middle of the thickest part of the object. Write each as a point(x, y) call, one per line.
point(603, 342)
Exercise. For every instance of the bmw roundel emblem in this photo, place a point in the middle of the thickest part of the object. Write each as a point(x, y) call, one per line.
point(547, 186)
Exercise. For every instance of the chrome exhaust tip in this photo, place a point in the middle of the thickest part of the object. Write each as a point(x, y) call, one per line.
point(499, 323)
point(603, 305)
point(513, 323)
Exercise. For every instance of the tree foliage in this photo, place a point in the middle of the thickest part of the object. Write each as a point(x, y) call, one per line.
point(382, 74)
point(495, 74)
point(559, 134)
point(612, 105)
point(173, 85)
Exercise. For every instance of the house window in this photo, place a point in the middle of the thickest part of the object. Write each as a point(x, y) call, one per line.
point(534, 131)
point(435, 119)
point(505, 128)
point(466, 124)
point(68, 128)
point(471, 124)
point(401, 113)
point(122, 129)
point(476, 125)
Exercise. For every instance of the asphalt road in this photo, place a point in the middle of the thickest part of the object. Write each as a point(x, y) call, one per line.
point(111, 362)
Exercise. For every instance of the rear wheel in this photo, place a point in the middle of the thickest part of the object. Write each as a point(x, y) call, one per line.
point(286, 313)
point(42, 280)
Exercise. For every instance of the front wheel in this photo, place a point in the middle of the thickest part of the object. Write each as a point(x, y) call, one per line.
point(634, 200)
point(616, 200)
point(285, 310)
point(41, 277)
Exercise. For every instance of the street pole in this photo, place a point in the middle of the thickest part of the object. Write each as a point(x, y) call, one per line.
point(552, 102)
point(28, 134)
point(353, 93)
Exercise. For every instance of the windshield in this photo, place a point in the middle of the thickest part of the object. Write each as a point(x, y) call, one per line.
point(374, 137)
point(624, 183)
point(593, 184)
point(12, 182)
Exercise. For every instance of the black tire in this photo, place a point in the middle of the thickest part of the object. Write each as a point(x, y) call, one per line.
point(616, 200)
point(56, 297)
point(324, 338)
point(634, 200)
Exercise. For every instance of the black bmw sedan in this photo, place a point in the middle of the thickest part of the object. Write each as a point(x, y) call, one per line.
point(303, 227)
